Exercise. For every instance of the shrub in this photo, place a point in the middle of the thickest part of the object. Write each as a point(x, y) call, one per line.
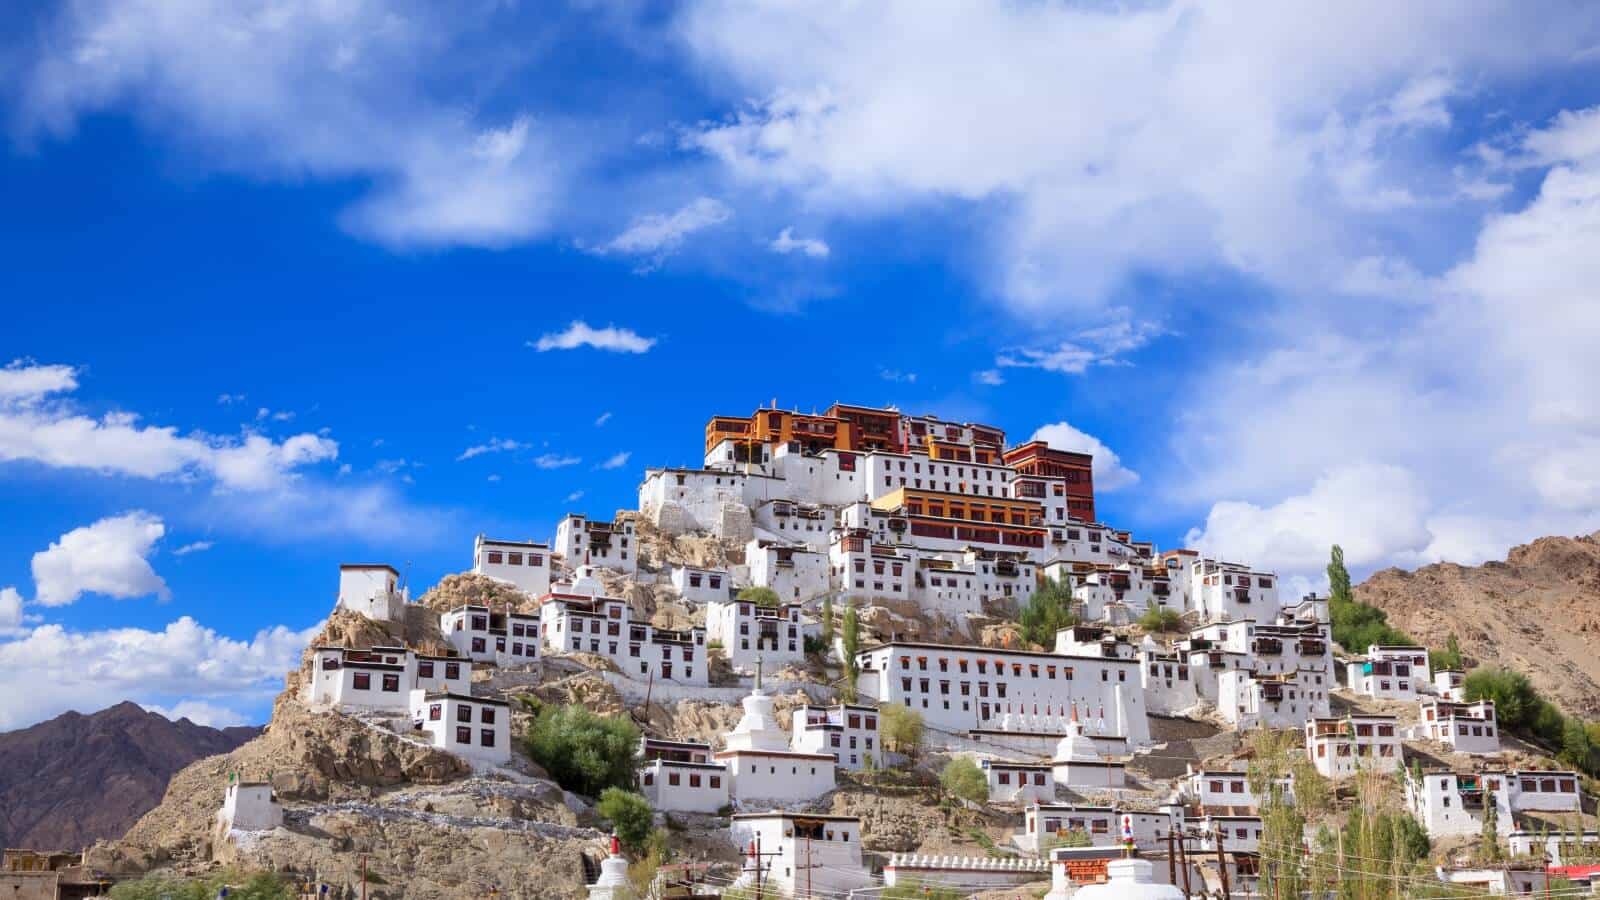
point(257, 886)
point(630, 817)
point(1160, 618)
point(1049, 611)
point(584, 752)
point(760, 596)
point(900, 729)
point(1073, 837)
point(963, 779)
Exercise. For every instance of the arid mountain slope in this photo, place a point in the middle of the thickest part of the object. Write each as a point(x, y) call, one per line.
point(1538, 612)
point(72, 780)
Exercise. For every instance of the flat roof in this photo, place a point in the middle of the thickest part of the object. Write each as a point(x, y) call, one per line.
point(369, 566)
point(784, 814)
point(452, 695)
point(498, 543)
point(1032, 654)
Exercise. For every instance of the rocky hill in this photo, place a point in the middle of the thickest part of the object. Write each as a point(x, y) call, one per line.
point(1538, 612)
point(79, 778)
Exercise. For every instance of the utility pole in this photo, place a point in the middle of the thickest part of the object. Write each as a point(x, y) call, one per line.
point(1183, 861)
point(363, 876)
point(1172, 858)
point(1222, 866)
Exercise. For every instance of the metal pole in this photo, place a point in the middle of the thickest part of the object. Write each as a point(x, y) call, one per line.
point(1222, 866)
point(1183, 860)
point(363, 876)
point(1172, 859)
point(758, 865)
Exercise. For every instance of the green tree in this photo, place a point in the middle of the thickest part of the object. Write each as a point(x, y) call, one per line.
point(583, 751)
point(1449, 657)
point(760, 596)
point(850, 637)
point(827, 621)
point(1160, 618)
point(963, 779)
point(1049, 611)
point(1489, 851)
point(1575, 747)
point(1516, 703)
point(900, 729)
point(1339, 578)
point(629, 816)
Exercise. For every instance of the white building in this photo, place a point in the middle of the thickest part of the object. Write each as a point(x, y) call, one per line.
point(1390, 673)
point(478, 728)
point(372, 591)
point(1021, 783)
point(1503, 881)
point(587, 623)
point(610, 545)
point(680, 500)
point(701, 586)
point(522, 564)
point(1126, 879)
point(1168, 687)
point(1044, 824)
point(846, 731)
point(1340, 748)
point(482, 635)
point(800, 854)
point(1246, 699)
point(249, 806)
point(1450, 684)
point(679, 776)
point(957, 688)
point(969, 873)
point(379, 680)
point(791, 522)
point(1452, 803)
point(1237, 834)
point(1219, 788)
point(1463, 727)
point(1225, 592)
point(795, 572)
point(862, 568)
point(749, 632)
point(762, 767)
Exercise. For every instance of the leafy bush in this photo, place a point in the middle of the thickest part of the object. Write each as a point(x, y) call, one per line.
point(815, 644)
point(1161, 618)
point(900, 729)
point(760, 596)
point(1072, 837)
point(916, 890)
point(584, 752)
point(963, 779)
point(630, 817)
point(1356, 626)
point(258, 886)
point(1049, 611)
point(850, 637)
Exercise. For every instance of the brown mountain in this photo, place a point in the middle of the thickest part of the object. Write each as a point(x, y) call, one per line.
point(1538, 612)
point(74, 779)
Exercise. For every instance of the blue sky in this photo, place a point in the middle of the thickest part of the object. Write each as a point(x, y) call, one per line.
point(270, 269)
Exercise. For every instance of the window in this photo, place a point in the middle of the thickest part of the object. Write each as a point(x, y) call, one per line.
point(362, 681)
point(452, 670)
point(486, 737)
point(464, 713)
point(435, 712)
point(486, 715)
point(674, 779)
point(391, 682)
point(716, 781)
point(495, 557)
point(425, 669)
point(463, 734)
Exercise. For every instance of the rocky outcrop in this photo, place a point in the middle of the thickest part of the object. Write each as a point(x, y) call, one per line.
point(1503, 613)
point(467, 588)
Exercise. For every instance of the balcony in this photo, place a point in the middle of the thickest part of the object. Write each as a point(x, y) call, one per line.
point(1272, 692)
point(1313, 648)
point(1268, 646)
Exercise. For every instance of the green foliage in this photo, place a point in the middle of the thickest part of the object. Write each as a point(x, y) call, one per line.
point(1161, 618)
point(1516, 703)
point(1356, 626)
point(1449, 657)
point(962, 778)
point(629, 816)
point(1489, 851)
point(915, 890)
point(1392, 835)
point(814, 644)
point(584, 752)
point(760, 596)
point(1576, 748)
point(900, 729)
point(827, 620)
point(257, 886)
point(1049, 611)
point(850, 636)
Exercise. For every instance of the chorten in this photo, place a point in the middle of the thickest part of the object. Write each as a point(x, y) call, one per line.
point(613, 881)
point(758, 728)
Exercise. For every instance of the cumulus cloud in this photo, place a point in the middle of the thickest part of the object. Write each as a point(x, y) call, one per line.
point(579, 334)
point(659, 235)
point(616, 460)
point(109, 557)
point(495, 445)
point(200, 713)
point(10, 611)
point(1109, 472)
point(303, 88)
point(90, 670)
point(787, 243)
point(1099, 346)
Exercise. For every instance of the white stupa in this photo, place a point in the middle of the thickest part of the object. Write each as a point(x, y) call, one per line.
point(1128, 879)
point(1078, 762)
point(613, 881)
point(585, 581)
point(758, 728)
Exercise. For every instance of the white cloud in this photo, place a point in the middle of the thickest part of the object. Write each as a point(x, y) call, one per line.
point(659, 235)
point(90, 670)
point(494, 477)
point(579, 334)
point(1066, 359)
point(1055, 123)
point(200, 713)
point(616, 460)
point(36, 425)
point(555, 460)
point(898, 376)
point(10, 611)
point(495, 445)
point(602, 419)
point(787, 243)
point(1099, 346)
point(575, 496)
point(990, 377)
point(109, 557)
point(1109, 472)
point(196, 547)
point(229, 399)
point(288, 89)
